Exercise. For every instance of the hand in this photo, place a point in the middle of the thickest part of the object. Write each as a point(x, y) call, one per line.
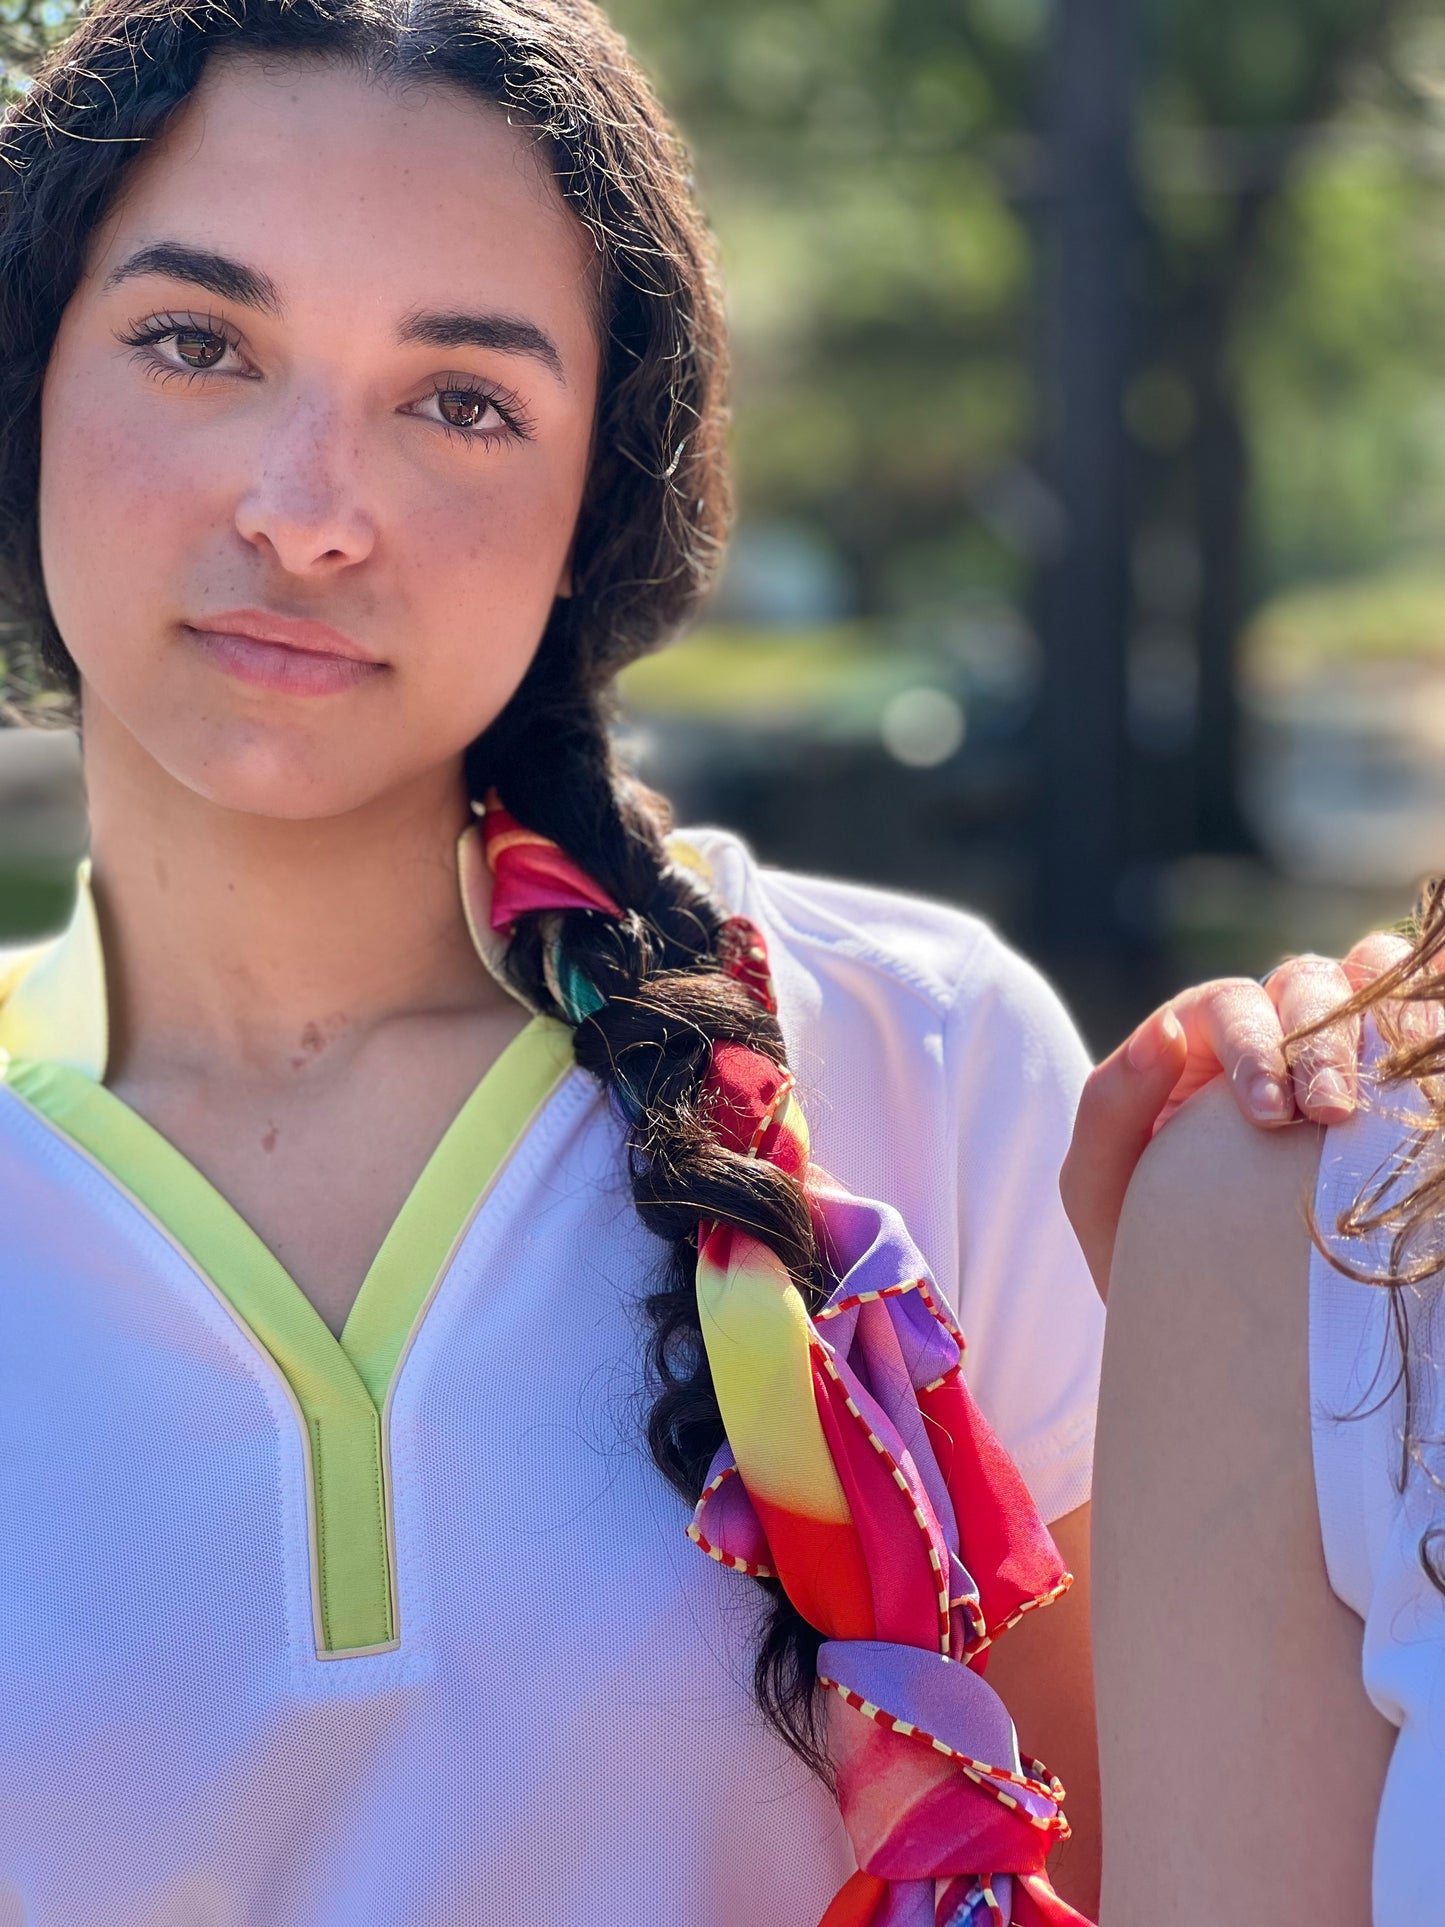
point(1232, 1027)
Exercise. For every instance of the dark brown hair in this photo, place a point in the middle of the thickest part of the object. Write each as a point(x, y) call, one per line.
point(649, 535)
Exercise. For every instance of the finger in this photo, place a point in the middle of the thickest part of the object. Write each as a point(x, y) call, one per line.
point(1373, 955)
point(1419, 1019)
point(1323, 1065)
point(1232, 1026)
point(1120, 1106)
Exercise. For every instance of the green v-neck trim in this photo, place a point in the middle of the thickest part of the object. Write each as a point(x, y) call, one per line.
point(341, 1387)
point(420, 1245)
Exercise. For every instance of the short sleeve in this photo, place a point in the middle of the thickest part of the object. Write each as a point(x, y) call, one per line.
point(1358, 1405)
point(940, 1073)
point(1015, 1065)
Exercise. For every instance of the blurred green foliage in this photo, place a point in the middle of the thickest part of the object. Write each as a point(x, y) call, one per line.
point(879, 271)
point(1396, 616)
point(1342, 356)
point(827, 678)
point(32, 905)
point(28, 29)
point(878, 176)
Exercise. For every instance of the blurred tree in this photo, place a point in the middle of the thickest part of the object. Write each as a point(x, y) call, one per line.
point(879, 275)
point(1339, 350)
point(1235, 93)
point(888, 177)
point(1089, 234)
point(27, 29)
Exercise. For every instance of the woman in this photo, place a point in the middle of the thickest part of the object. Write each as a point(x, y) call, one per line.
point(1270, 1718)
point(376, 1181)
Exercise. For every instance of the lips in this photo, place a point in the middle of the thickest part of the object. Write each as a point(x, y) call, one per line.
point(287, 655)
point(285, 632)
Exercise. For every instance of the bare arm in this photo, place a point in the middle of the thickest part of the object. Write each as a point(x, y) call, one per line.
point(1242, 1762)
point(1042, 1671)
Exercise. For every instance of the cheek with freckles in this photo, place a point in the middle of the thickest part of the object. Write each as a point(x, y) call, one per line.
point(482, 570)
point(121, 507)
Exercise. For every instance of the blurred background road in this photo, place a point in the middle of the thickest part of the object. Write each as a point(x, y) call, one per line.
point(1091, 440)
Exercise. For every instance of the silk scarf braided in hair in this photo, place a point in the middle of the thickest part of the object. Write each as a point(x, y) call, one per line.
point(859, 1473)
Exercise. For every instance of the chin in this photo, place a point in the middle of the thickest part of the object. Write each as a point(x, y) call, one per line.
point(256, 771)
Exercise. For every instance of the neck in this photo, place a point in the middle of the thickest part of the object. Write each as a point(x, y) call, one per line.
point(237, 942)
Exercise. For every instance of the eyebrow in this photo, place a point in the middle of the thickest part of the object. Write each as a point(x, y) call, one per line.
point(503, 334)
point(216, 273)
point(234, 281)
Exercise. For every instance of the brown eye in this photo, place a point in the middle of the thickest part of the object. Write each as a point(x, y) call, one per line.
point(459, 409)
point(198, 348)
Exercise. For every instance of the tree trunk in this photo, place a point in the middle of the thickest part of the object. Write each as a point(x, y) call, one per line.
point(1083, 596)
point(1221, 457)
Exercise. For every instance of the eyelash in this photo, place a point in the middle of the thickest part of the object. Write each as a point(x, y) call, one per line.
point(144, 336)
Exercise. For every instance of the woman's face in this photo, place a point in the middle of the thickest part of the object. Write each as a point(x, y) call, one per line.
point(314, 436)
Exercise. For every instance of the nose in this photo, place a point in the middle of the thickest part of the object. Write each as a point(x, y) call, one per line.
point(304, 504)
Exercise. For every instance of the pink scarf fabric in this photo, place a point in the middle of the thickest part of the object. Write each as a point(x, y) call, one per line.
point(858, 1471)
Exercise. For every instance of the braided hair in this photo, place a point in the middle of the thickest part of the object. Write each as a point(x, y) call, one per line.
point(648, 999)
point(649, 536)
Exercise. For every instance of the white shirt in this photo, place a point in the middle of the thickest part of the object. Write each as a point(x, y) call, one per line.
point(1371, 1527)
point(540, 1712)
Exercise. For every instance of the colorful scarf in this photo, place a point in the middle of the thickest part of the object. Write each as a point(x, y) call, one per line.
point(858, 1472)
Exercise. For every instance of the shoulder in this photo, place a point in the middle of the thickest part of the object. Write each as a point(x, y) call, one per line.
point(1209, 1313)
point(909, 958)
point(1208, 1316)
point(926, 947)
point(1215, 1235)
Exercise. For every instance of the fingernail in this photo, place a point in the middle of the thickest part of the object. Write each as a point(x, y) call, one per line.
point(1328, 1090)
point(1268, 1099)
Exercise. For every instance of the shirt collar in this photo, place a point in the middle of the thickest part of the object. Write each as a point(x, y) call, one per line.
point(52, 995)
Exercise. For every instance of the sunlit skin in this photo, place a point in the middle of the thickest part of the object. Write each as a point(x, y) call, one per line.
point(294, 997)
